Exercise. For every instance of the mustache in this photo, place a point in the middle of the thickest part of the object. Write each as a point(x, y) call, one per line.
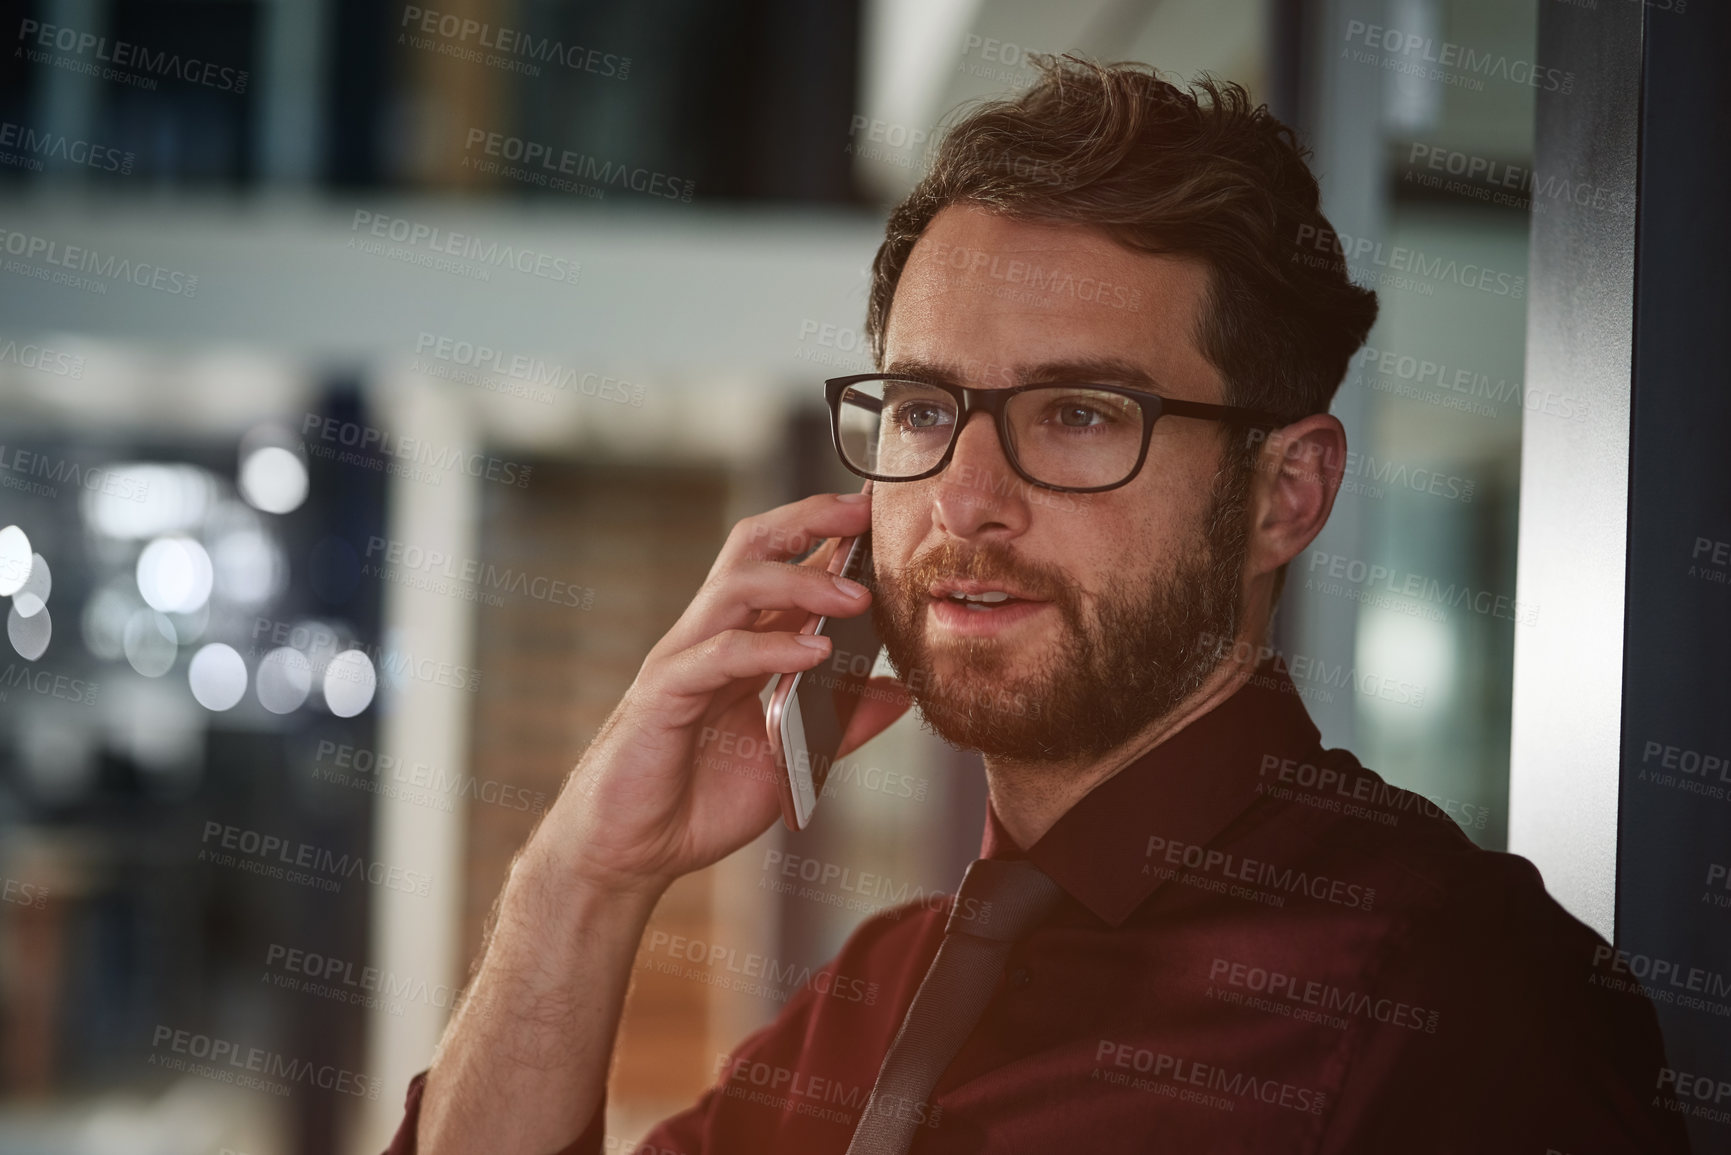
point(985, 563)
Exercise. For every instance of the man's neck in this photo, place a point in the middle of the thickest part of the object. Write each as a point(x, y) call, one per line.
point(1029, 797)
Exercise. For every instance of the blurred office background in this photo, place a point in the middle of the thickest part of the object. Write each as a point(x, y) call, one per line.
point(323, 599)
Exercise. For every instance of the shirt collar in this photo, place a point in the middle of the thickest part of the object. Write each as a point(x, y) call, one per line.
point(1187, 789)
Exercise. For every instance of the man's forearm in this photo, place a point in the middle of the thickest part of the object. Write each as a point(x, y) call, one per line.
point(523, 1065)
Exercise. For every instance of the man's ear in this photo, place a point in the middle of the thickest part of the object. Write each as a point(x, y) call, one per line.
point(1298, 474)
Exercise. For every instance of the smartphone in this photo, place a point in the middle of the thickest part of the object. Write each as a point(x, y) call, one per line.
point(809, 711)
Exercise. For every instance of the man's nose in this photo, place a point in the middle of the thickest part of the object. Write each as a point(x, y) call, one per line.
point(978, 493)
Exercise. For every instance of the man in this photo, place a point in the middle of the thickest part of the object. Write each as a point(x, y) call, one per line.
point(1224, 937)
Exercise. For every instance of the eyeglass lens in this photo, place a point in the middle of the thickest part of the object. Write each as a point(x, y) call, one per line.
point(1067, 435)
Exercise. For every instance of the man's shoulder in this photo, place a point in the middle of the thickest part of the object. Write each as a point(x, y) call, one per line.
point(1475, 910)
point(1345, 803)
point(1519, 990)
point(1431, 870)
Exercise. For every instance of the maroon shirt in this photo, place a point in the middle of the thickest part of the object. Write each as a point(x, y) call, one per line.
point(1263, 948)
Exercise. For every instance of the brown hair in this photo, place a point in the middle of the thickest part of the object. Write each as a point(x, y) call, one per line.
point(1161, 171)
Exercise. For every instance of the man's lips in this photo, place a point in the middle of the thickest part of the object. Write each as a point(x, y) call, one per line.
point(980, 592)
point(973, 607)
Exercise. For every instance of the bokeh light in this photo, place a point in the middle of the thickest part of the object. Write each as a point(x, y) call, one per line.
point(175, 575)
point(285, 678)
point(217, 675)
point(15, 558)
point(349, 683)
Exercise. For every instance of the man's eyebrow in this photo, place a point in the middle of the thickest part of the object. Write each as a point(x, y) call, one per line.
point(1092, 370)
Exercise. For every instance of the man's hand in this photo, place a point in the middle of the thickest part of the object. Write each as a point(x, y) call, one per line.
point(523, 1064)
point(645, 806)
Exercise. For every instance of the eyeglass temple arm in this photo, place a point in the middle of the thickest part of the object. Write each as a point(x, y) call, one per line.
point(1229, 413)
point(863, 400)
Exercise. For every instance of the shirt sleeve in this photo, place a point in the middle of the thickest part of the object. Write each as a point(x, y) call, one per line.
point(403, 1142)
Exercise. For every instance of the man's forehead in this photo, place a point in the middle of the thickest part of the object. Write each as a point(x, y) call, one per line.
point(966, 240)
point(1100, 370)
point(991, 301)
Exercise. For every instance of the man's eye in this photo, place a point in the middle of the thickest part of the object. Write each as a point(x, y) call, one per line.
point(1080, 414)
point(920, 415)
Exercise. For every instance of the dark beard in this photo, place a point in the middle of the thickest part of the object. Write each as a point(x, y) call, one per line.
point(1147, 651)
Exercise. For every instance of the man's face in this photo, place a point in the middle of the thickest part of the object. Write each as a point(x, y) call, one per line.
point(1116, 597)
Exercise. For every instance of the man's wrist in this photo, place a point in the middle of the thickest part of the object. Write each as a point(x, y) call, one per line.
point(546, 890)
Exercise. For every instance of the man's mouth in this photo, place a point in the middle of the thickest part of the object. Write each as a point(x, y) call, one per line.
point(977, 596)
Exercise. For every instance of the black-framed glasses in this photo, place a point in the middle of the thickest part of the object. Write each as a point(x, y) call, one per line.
point(1071, 438)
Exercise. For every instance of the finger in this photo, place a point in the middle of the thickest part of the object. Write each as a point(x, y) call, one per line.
point(790, 530)
point(731, 655)
point(739, 596)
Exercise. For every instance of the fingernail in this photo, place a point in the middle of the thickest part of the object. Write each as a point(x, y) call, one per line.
point(851, 588)
point(812, 640)
point(853, 497)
